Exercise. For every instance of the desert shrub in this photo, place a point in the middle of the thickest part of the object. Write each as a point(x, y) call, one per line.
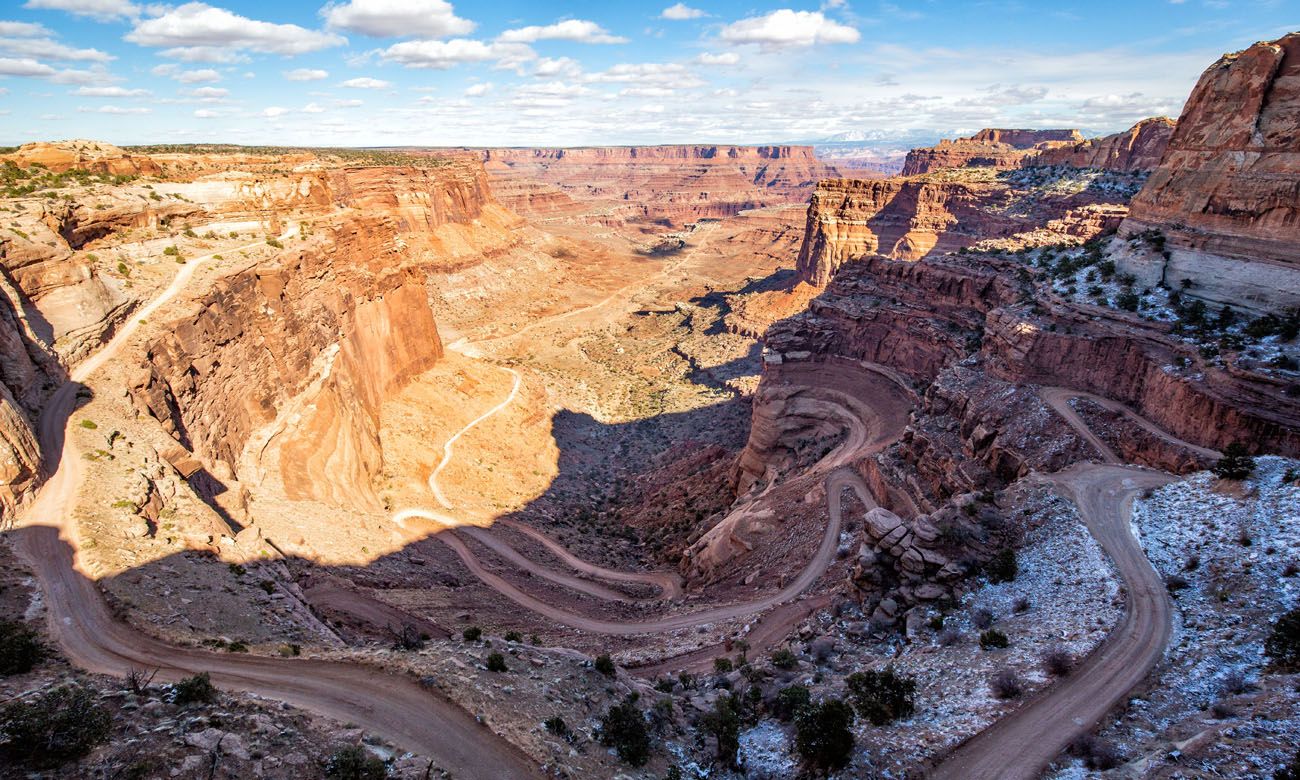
point(722, 665)
point(355, 763)
point(789, 700)
point(1058, 662)
point(1235, 683)
point(20, 648)
point(496, 663)
point(993, 639)
point(472, 634)
point(194, 690)
point(822, 734)
point(60, 724)
point(557, 726)
point(1096, 753)
point(514, 636)
point(275, 242)
point(981, 618)
point(1283, 643)
point(408, 637)
point(623, 728)
point(948, 637)
point(882, 697)
point(1021, 605)
point(1006, 684)
point(1128, 300)
point(1003, 566)
point(1236, 463)
point(723, 724)
point(605, 665)
point(784, 659)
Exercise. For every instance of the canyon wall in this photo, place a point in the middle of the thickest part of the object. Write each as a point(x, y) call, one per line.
point(1227, 195)
point(990, 147)
point(908, 219)
point(325, 333)
point(673, 183)
point(1140, 148)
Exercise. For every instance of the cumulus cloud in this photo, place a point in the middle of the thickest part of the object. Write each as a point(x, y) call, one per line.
point(313, 108)
point(479, 90)
point(208, 94)
point(101, 10)
point(554, 89)
point(365, 82)
point(647, 92)
point(204, 113)
point(23, 29)
point(26, 67)
point(666, 74)
point(115, 110)
point(576, 30)
point(680, 12)
point(439, 55)
point(789, 28)
point(49, 49)
point(110, 92)
point(272, 112)
point(726, 58)
point(397, 18)
point(200, 28)
point(203, 76)
point(547, 67)
point(306, 74)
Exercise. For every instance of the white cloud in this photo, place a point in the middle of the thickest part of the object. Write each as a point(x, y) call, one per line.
point(23, 29)
point(208, 93)
point(646, 92)
point(365, 82)
point(101, 10)
point(669, 74)
point(479, 90)
point(439, 55)
point(25, 67)
point(353, 103)
point(116, 110)
point(306, 74)
point(110, 92)
point(203, 54)
point(274, 111)
point(204, 76)
point(576, 30)
point(313, 108)
point(555, 89)
point(397, 18)
point(557, 66)
point(204, 113)
point(789, 28)
point(198, 26)
point(48, 49)
point(726, 58)
point(680, 12)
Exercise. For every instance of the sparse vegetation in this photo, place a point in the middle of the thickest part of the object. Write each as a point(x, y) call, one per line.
point(882, 697)
point(1006, 684)
point(355, 763)
point(789, 700)
point(822, 734)
point(723, 724)
point(1003, 566)
point(1058, 662)
point(784, 659)
point(624, 729)
point(605, 665)
point(1283, 643)
point(993, 639)
point(1236, 463)
point(55, 726)
point(194, 690)
point(20, 648)
point(472, 634)
point(496, 662)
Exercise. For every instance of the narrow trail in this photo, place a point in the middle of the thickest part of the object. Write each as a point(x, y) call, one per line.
point(451, 442)
point(1020, 745)
point(388, 705)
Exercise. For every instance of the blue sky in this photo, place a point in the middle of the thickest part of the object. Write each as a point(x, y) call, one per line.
point(431, 72)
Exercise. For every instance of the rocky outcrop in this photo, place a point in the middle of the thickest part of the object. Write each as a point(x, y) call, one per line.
point(325, 333)
point(1227, 195)
point(991, 147)
point(908, 219)
point(1140, 148)
point(675, 184)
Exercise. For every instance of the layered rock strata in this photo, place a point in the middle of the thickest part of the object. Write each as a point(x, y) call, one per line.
point(1140, 148)
point(989, 148)
point(1226, 197)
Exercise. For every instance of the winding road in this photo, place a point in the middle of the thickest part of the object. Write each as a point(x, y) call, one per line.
point(388, 705)
point(1020, 745)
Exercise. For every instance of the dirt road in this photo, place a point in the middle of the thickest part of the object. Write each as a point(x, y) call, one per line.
point(387, 705)
point(1018, 746)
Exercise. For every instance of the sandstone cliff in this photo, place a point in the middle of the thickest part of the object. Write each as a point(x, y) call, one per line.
point(911, 218)
point(1227, 195)
point(991, 147)
point(1140, 148)
point(674, 183)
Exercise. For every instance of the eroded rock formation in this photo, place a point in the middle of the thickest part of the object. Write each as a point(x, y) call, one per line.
point(1227, 195)
point(990, 147)
point(1140, 148)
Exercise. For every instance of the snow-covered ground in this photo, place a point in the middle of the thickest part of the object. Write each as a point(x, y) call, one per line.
point(1235, 546)
point(1069, 596)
